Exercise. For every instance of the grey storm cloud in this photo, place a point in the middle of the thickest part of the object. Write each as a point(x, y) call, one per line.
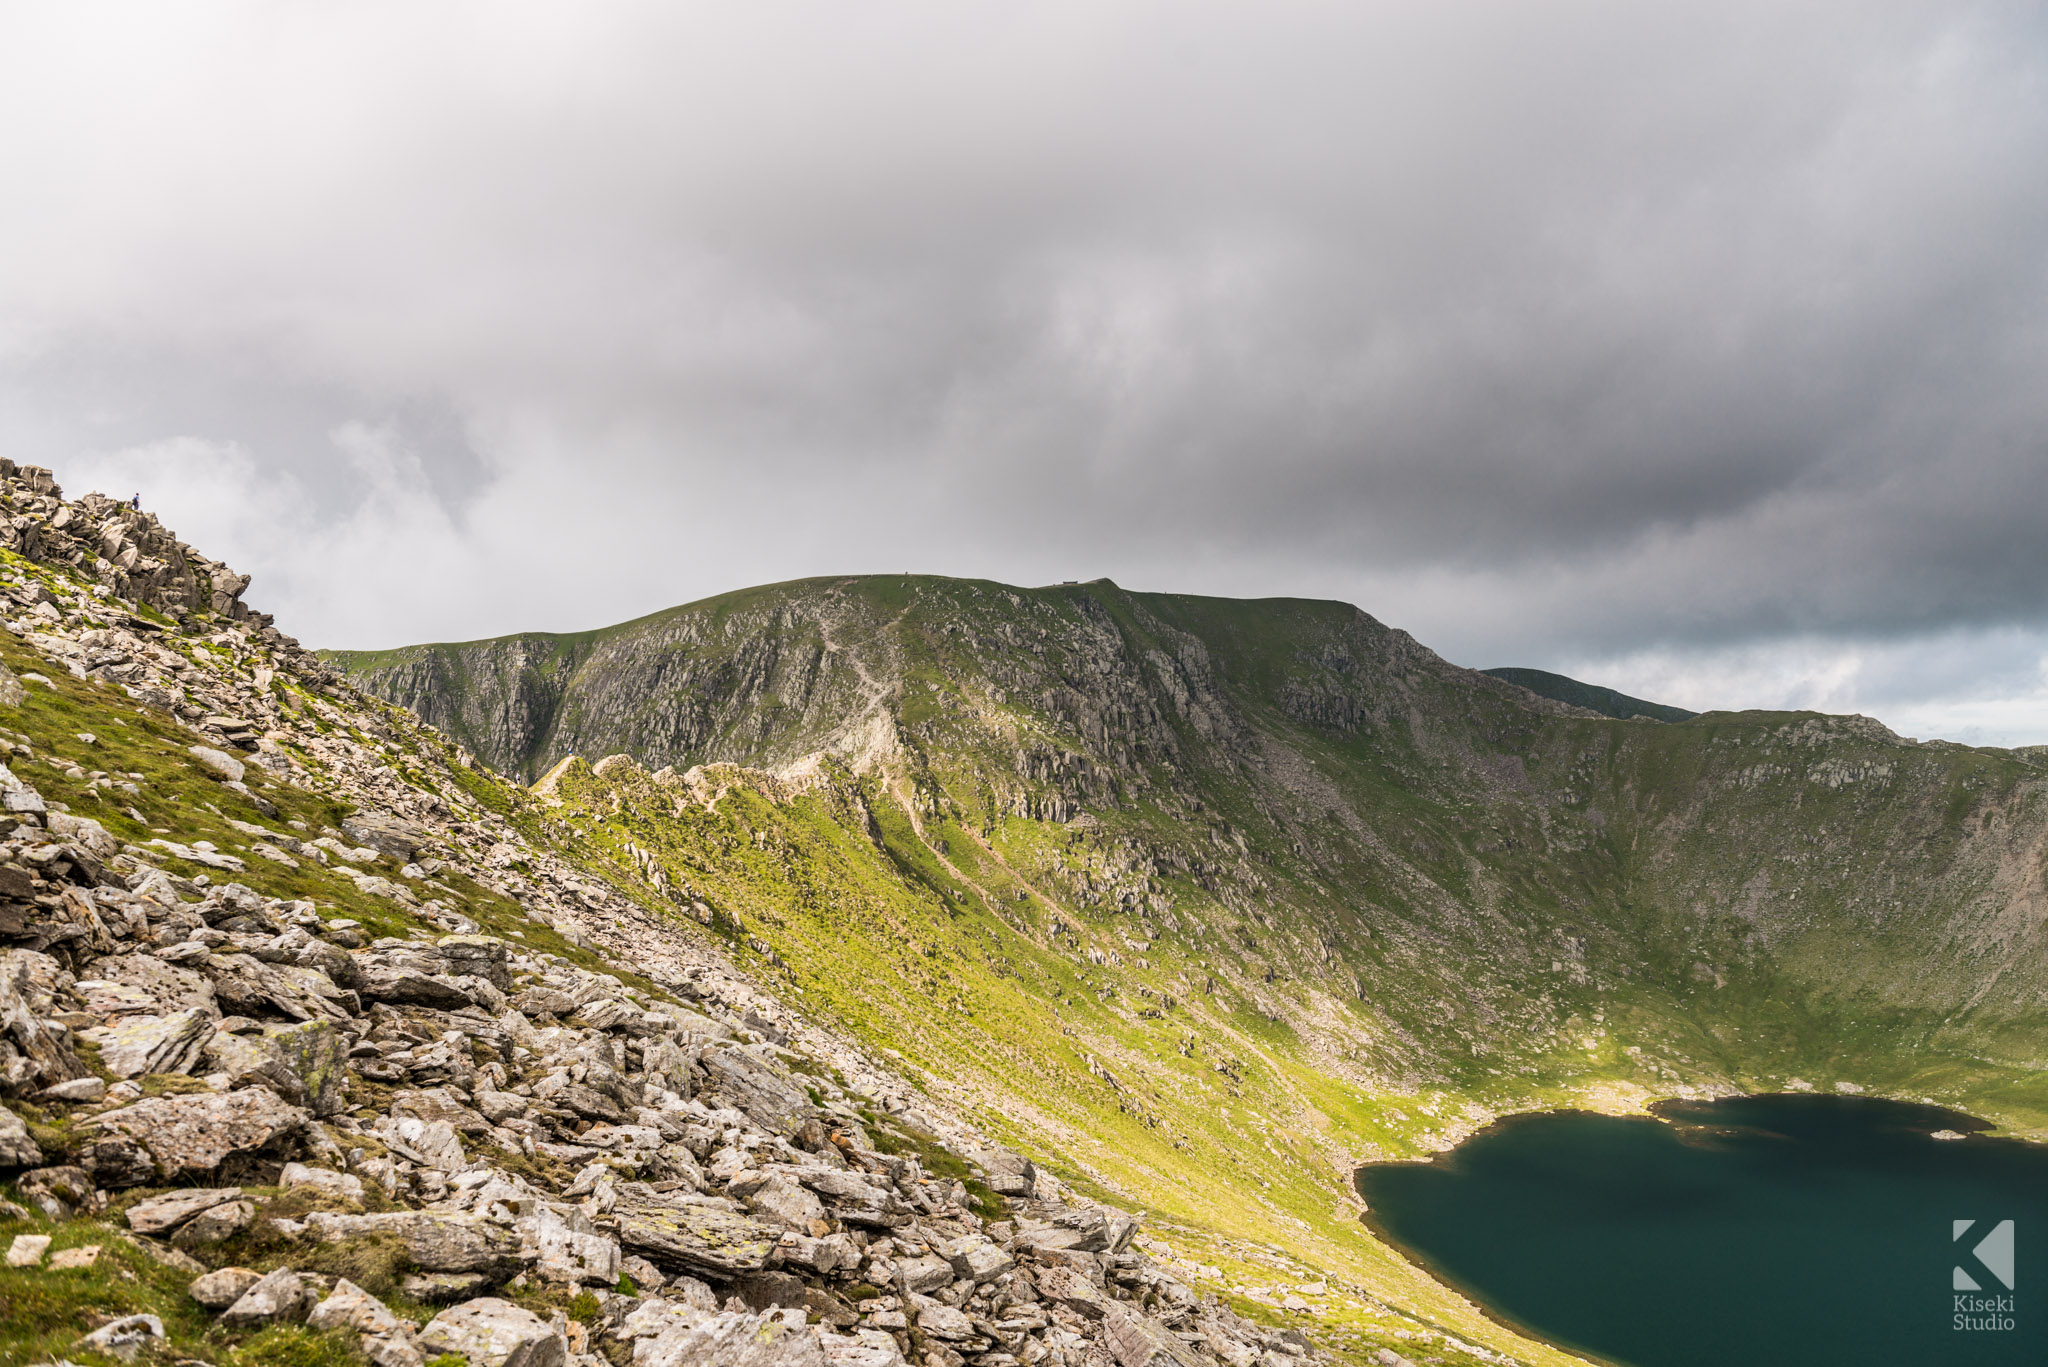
point(1554, 331)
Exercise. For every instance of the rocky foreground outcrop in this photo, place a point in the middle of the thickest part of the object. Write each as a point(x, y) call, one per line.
point(227, 1073)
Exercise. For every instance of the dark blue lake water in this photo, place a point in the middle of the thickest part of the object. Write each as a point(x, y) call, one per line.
point(1761, 1230)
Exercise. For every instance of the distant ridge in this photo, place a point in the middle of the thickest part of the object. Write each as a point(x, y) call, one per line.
point(1591, 696)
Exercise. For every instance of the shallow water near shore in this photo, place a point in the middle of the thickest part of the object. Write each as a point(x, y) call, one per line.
point(1765, 1230)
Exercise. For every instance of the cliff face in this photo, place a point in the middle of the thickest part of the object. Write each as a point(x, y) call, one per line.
point(499, 698)
point(753, 678)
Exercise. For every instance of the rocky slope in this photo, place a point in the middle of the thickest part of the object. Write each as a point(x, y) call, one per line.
point(314, 1048)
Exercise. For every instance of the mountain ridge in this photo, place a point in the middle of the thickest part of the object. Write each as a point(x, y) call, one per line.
point(530, 674)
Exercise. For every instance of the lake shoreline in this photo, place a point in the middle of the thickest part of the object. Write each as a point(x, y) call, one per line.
point(1422, 1264)
point(1694, 1121)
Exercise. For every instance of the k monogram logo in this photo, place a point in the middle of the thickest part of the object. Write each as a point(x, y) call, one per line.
point(1992, 1254)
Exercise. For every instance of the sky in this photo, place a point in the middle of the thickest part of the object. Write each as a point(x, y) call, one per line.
point(1695, 349)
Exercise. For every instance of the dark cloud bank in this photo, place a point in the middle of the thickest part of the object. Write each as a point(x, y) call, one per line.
point(1698, 347)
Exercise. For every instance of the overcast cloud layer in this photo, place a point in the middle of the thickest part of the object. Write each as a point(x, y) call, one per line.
point(1699, 349)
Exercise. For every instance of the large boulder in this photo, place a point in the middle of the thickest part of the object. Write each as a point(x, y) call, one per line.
point(443, 1103)
point(568, 1248)
point(669, 1335)
point(777, 1198)
point(769, 1096)
point(404, 975)
point(17, 1147)
point(477, 956)
point(489, 1332)
point(430, 1143)
point(190, 1136)
point(391, 836)
point(855, 1198)
point(33, 1053)
point(943, 1322)
point(589, 1103)
point(245, 986)
point(137, 1045)
point(1065, 1286)
point(976, 1257)
point(279, 1298)
point(161, 1214)
point(219, 763)
point(83, 832)
point(238, 909)
point(436, 1241)
point(609, 1013)
point(1061, 1239)
point(305, 1063)
point(351, 1307)
point(699, 1239)
point(820, 1256)
point(543, 1001)
point(1009, 1174)
point(220, 1289)
point(337, 963)
point(314, 995)
point(164, 987)
point(1136, 1340)
point(924, 1274)
point(499, 1107)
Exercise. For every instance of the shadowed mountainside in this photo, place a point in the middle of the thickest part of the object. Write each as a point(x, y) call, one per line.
point(1606, 701)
